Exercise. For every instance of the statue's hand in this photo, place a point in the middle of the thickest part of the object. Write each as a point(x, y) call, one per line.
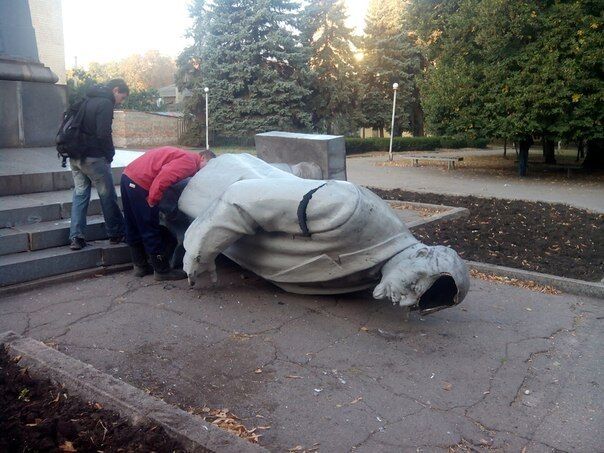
point(195, 268)
point(395, 292)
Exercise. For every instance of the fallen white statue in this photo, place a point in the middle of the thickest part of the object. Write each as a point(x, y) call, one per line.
point(312, 237)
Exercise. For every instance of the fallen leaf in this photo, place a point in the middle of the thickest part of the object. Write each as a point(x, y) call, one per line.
point(258, 370)
point(293, 376)
point(67, 447)
point(364, 329)
point(356, 400)
point(447, 386)
point(97, 406)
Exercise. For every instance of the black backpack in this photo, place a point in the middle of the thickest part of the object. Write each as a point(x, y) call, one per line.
point(71, 140)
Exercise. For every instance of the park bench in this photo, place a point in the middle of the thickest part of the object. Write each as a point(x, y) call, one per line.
point(449, 160)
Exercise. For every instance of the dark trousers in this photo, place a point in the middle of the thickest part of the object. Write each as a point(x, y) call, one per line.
point(142, 221)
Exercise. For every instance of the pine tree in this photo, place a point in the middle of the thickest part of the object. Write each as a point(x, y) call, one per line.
point(334, 83)
point(249, 58)
point(389, 56)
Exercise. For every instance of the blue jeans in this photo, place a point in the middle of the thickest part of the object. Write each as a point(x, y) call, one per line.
point(98, 171)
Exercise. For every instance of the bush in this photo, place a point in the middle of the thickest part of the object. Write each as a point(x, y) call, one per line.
point(356, 145)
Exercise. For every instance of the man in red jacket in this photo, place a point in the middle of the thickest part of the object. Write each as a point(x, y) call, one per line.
point(142, 186)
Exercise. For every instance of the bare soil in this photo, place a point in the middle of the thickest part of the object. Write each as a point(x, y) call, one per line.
point(37, 415)
point(549, 238)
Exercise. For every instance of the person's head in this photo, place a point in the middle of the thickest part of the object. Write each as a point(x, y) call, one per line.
point(206, 155)
point(119, 89)
point(428, 278)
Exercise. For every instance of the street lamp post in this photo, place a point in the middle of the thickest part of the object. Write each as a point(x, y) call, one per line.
point(206, 89)
point(394, 87)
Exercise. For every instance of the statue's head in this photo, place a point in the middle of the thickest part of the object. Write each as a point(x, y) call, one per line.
point(426, 278)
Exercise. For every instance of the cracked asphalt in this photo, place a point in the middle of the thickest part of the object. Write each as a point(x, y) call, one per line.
point(507, 370)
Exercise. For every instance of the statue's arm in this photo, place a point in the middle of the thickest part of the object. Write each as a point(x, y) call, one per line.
point(212, 233)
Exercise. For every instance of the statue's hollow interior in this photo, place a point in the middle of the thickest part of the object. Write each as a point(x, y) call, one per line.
point(441, 294)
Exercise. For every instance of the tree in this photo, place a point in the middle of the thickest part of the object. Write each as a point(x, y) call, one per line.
point(334, 84)
point(141, 72)
point(142, 100)
point(80, 81)
point(250, 59)
point(517, 69)
point(390, 56)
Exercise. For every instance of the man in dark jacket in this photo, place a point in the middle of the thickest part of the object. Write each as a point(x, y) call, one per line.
point(95, 166)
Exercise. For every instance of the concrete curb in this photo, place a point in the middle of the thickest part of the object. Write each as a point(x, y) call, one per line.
point(567, 285)
point(192, 431)
point(449, 214)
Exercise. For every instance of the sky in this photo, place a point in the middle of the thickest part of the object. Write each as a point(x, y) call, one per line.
point(114, 29)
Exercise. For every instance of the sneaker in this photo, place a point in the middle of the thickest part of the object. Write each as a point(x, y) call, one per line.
point(116, 240)
point(77, 244)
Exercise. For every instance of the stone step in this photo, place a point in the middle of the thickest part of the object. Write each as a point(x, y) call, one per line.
point(38, 236)
point(42, 207)
point(27, 266)
point(27, 183)
point(32, 170)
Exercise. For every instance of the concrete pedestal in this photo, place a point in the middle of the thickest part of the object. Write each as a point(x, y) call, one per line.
point(30, 113)
point(327, 151)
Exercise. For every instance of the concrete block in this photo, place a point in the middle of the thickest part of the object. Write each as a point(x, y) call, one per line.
point(62, 180)
point(327, 151)
point(35, 182)
point(94, 208)
point(43, 108)
point(40, 107)
point(30, 214)
point(9, 114)
point(12, 241)
point(115, 254)
point(10, 185)
point(55, 234)
point(27, 266)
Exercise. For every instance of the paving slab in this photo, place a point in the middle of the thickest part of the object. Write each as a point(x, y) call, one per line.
point(508, 369)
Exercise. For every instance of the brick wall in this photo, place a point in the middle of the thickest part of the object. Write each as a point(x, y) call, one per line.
point(142, 130)
point(47, 20)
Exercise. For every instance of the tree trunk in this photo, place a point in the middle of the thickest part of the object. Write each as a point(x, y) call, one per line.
point(580, 150)
point(381, 132)
point(417, 120)
point(396, 132)
point(549, 151)
point(523, 152)
point(505, 148)
point(594, 159)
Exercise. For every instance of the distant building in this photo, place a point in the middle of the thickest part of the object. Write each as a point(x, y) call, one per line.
point(172, 98)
